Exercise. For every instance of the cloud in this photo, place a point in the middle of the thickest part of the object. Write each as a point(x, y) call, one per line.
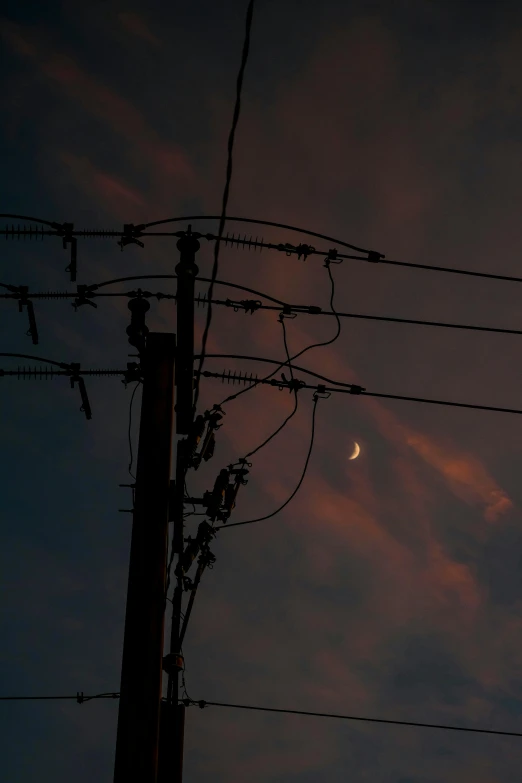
point(106, 189)
point(464, 475)
point(165, 163)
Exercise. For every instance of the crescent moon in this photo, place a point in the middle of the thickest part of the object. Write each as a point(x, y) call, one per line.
point(356, 451)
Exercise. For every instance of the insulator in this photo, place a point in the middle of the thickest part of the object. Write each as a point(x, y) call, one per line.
point(242, 242)
point(42, 373)
point(35, 373)
point(100, 233)
point(19, 232)
point(53, 295)
point(238, 377)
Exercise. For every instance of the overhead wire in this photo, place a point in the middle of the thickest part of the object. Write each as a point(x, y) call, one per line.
point(129, 432)
point(372, 256)
point(202, 703)
point(294, 493)
point(359, 391)
point(303, 350)
point(278, 306)
point(222, 219)
point(389, 721)
point(80, 698)
point(296, 400)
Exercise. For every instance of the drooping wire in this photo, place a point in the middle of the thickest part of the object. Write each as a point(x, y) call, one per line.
point(296, 399)
point(414, 724)
point(130, 432)
point(80, 698)
point(303, 350)
point(294, 493)
point(183, 681)
point(235, 120)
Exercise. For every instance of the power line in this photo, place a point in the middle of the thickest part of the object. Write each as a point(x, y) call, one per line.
point(80, 698)
point(312, 310)
point(304, 350)
point(449, 403)
point(350, 387)
point(296, 400)
point(372, 256)
point(235, 120)
point(280, 306)
point(294, 493)
point(414, 724)
point(129, 432)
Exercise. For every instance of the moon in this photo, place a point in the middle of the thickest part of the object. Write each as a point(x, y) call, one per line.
point(356, 451)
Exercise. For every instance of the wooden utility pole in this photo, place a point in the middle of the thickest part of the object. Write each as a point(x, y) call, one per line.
point(141, 674)
point(172, 713)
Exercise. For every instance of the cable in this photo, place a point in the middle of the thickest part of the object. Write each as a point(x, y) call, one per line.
point(438, 402)
point(79, 697)
point(296, 401)
point(203, 704)
point(301, 309)
point(235, 120)
point(375, 257)
point(380, 258)
point(304, 350)
point(275, 361)
point(169, 568)
point(311, 310)
point(363, 393)
point(294, 493)
point(129, 431)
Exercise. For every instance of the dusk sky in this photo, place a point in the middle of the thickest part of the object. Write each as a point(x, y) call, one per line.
point(391, 586)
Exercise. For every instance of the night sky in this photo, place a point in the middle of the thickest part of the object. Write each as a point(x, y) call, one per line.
point(391, 586)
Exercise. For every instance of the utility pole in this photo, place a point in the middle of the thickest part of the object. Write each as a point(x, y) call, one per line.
point(140, 690)
point(173, 714)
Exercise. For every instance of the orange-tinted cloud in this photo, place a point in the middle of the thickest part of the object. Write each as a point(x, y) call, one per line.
point(115, 195)
point(465, 475)
point(164, 160)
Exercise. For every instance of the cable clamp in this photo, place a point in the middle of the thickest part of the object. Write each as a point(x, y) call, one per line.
point(132, 373)
point(286, 312)
point(249, 305)
point(304, 251)
point(23, 301)
point(354, 389)
point(65, 230)
point(321, 393)
point(130, 234)
point(375, 257)
point(293, 385)
point(332, 258)
point(83, 292)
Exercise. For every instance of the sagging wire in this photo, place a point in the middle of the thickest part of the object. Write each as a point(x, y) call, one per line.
point(316, 399)
point(296, 399)
point(321, 344)
point(130, 435)
point(183, 681)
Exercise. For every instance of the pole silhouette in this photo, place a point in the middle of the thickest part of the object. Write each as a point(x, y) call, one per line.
point(141, 674)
